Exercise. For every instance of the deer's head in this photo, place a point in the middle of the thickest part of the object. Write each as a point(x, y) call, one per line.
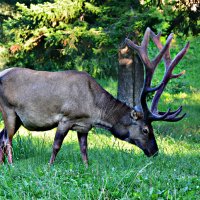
point(143, 135)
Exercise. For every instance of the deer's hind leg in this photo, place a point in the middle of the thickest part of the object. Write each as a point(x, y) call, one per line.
point(3, 141)
point(82, 138)
point(12, 124)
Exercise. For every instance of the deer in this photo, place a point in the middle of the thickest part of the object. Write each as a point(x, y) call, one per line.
point(72, 100)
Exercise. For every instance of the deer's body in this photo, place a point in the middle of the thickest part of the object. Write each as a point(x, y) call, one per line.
point(42, 99)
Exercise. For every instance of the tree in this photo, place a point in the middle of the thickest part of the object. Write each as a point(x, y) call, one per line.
point(130, 77)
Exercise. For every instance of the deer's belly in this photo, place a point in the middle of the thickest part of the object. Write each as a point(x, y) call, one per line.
point(39, 121)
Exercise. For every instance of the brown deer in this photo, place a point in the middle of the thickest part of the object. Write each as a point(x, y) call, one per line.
point(72, 100)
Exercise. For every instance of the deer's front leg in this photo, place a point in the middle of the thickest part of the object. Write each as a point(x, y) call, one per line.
point(82, 138)
point(61, 132)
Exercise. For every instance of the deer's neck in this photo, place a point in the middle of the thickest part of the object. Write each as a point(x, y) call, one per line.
point(110, 111)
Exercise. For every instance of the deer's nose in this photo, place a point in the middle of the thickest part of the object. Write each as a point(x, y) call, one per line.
point(150, 153)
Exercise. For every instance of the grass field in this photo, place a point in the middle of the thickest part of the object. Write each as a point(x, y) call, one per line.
point(117, 170)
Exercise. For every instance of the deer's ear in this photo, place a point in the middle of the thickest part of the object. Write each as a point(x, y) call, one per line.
point(136, 115)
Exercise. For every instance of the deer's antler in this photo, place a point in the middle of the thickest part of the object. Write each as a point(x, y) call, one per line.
point(150, 65)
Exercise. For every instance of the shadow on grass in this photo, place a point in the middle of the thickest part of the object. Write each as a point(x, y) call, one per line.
point(38, 150)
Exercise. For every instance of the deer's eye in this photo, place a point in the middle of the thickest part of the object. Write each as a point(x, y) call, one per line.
point(145, 131)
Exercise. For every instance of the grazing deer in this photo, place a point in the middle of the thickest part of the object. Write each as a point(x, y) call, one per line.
point(72, 100)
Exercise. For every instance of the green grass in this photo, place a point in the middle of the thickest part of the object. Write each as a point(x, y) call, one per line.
point(117, 170)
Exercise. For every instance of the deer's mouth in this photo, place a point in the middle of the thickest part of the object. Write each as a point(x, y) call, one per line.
point(150, 153)
point(152, 150)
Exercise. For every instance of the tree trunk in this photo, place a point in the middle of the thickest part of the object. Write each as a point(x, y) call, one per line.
point(130, 77)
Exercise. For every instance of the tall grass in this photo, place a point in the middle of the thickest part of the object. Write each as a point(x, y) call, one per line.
point(117, 170)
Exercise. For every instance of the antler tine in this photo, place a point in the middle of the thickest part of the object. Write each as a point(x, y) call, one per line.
point(171, 115)
point(178, 75)
point(156, 40)
point(131, 44)
point(145, 40)
point(142, 50)
point(157, 117)
point(163, 52)
point(168, 116)
point(178, 57)
point(173, 112)
point(175, 119)
point(167, 59)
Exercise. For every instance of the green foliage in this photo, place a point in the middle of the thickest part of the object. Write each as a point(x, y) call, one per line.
point(74, 34)
point(45, 33)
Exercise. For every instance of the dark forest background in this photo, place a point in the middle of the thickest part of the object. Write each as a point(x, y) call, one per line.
point(85, 34)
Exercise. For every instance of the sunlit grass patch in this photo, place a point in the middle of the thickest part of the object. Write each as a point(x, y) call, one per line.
point(170, 146)
point(185, 98)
